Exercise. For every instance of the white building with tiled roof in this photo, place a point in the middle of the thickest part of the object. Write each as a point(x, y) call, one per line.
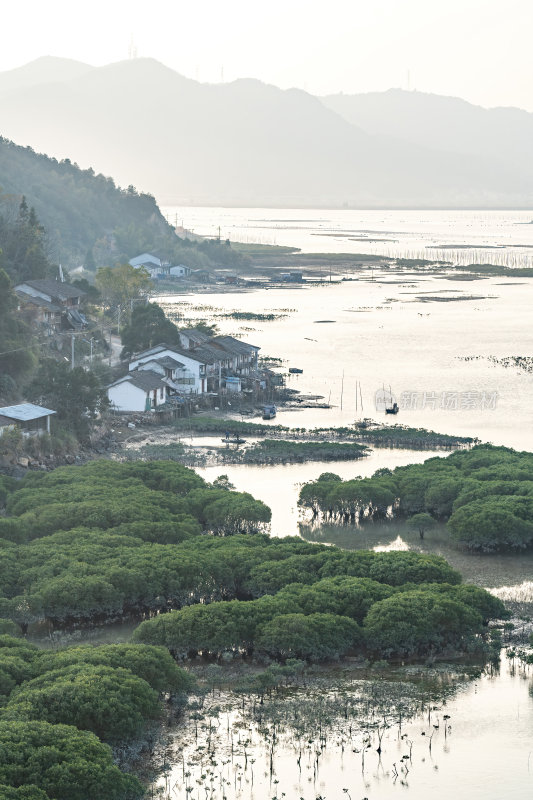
point(140, 390)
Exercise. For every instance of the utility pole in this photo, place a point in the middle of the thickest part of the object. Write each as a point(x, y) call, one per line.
point(90, 342)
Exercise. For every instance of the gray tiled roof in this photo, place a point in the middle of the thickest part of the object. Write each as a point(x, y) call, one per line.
point(196, 334)
point(169, 363)
point(53, 288)
point(145, 379)
point(205, 354)
point(233, 345)
point(195, 354)
point(38, 301)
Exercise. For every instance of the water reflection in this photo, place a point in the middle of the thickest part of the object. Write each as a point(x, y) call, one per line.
point(279, 486)
point(505, 569)
point(434, 731)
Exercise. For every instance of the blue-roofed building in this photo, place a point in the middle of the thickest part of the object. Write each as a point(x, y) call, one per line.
point(28, 417)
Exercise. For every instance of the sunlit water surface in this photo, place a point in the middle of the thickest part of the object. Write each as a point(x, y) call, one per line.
point(464, 237)
point(382, 330)
point(441, 360)
point(476, 743)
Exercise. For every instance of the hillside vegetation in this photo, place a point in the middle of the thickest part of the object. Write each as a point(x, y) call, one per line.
point(87, 219)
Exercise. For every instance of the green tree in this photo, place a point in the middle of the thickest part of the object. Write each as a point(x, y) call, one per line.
point(155, 665)
point(147, 327)
point(110, 702)
point(17, 346)
point(417, 622)
point(65, 763)
point(421, 523)
point(120, 286)
point(75, 394)
point(314, 637)
point(89, 263)
point(22, 245)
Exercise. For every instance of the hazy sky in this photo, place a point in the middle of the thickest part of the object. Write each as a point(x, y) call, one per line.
point(476, 49)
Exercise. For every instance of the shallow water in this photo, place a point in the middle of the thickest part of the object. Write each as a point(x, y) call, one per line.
point(466, 237)
point(279, 486)
point(384, 336)
point(482, 750)
point(385, 330)
point(509, 570)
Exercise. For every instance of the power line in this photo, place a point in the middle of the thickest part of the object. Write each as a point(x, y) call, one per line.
point(17, 350)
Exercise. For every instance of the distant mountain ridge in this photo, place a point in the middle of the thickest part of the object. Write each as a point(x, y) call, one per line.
point(47, 69)
point(449, 123)
point(248, 143)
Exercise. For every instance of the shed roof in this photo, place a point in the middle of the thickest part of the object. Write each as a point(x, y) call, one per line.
point(145, 258)
point(145, 379)
point(25, 412)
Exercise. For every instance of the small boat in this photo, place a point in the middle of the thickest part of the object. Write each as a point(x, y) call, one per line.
point(295, 370)
point(269, 412)
point(391, 406)
point(233, 440)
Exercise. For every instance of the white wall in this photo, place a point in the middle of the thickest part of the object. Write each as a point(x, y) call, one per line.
point(191, 366)
point(127, 397)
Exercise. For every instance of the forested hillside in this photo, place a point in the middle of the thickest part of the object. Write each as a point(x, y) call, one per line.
point(88, 219)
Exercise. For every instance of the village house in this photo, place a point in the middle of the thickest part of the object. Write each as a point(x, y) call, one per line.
point(241, 357)
point(53, 304)
point(179, 271)
point(157, 268)
point(190, 377)
point(201, 365)
point(155, 376)
point(192, 337)
point(226, 357)
point(152, 264)
point(30, 419)
point(139, 390)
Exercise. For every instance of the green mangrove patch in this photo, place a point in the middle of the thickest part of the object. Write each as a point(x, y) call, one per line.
point(485, 495)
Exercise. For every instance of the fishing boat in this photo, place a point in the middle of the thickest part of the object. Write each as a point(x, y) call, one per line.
point(295, 370)
point(391, 406)
point(269, 412)
point(235, 439)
